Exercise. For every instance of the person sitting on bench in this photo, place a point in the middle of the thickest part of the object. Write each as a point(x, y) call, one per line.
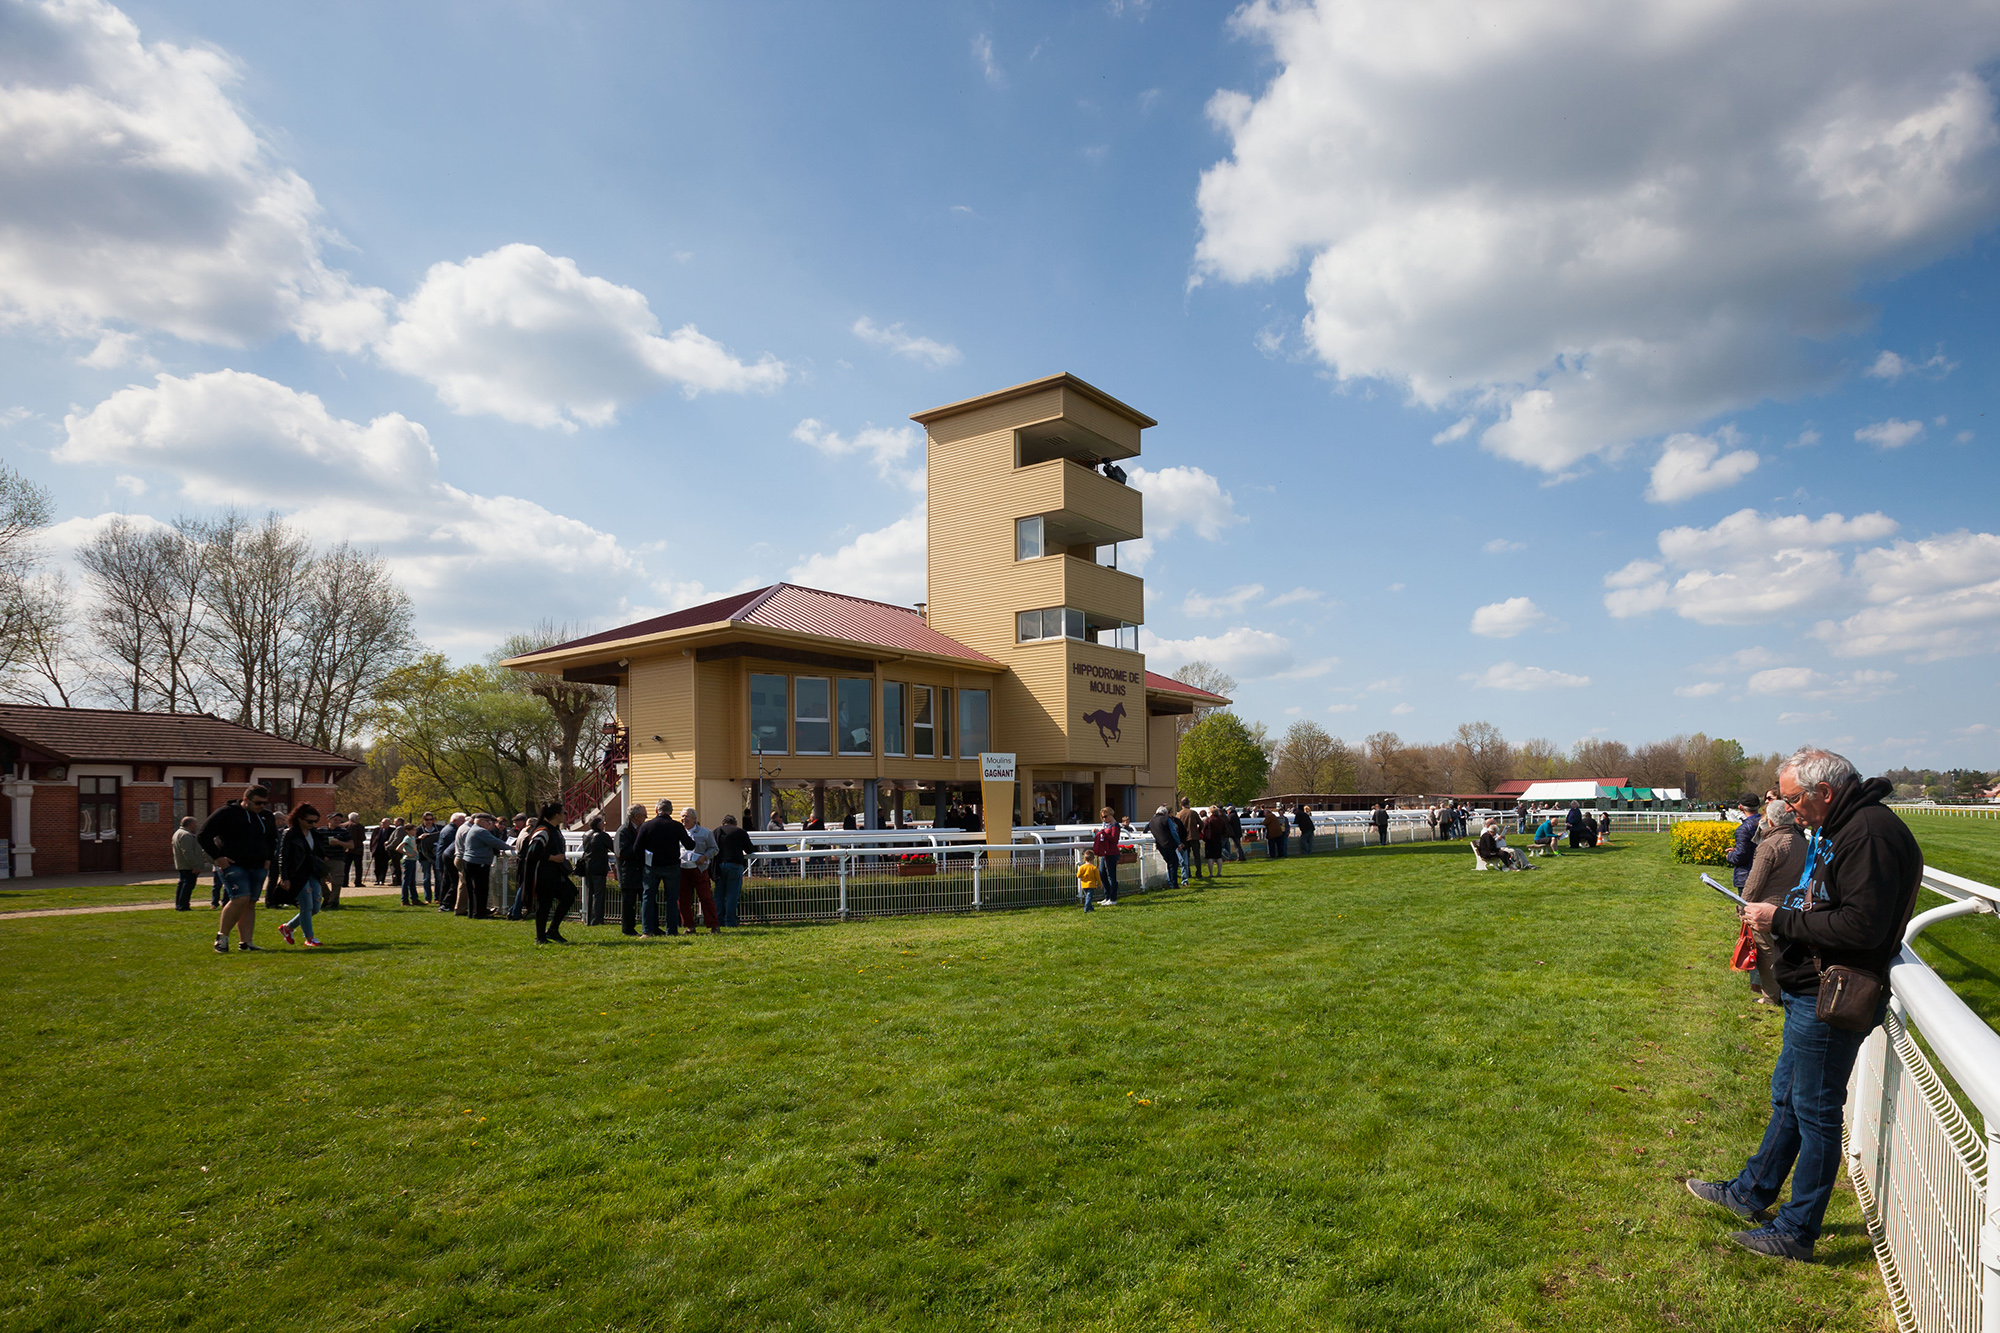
point(1494, 848)
point(1545, 835)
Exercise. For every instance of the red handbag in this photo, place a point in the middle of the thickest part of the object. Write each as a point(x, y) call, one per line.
point(1745, 957)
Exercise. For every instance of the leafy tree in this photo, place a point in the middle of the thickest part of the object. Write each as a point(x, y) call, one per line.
point(579, 710)
point(1222, 760)
point(1539, 759)
point(468, 737)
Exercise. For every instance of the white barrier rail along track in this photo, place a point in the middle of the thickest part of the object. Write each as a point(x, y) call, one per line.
point(1928, 1180)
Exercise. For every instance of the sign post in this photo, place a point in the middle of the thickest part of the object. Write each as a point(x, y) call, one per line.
point(996, 800)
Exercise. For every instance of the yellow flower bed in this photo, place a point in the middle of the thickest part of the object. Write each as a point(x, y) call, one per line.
point(1703, 842)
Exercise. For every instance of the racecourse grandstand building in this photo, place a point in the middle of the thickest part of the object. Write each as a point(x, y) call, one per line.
point(1028, 647)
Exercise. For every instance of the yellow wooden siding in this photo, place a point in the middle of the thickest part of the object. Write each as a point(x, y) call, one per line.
point(663, 704)
point(718, 722)
point(1111, 425)
point(1063, 486)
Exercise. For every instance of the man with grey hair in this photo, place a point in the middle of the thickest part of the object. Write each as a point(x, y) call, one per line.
point(1848, 909)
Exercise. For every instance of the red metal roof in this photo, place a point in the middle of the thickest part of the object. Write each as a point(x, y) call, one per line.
point(114, 735)
point(787, 606)
point(1155, 681)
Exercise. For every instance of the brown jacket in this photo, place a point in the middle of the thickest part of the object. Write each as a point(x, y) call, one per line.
point(1780, 860)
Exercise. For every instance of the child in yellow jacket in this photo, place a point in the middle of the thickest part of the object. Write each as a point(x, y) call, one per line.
point(1087, 884)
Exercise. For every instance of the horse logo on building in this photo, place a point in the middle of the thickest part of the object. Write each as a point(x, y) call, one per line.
point(1110, 724)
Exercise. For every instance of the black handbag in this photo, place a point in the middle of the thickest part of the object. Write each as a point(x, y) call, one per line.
point(1849, 999)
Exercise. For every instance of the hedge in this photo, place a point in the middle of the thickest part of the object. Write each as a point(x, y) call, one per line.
point(1703, 842)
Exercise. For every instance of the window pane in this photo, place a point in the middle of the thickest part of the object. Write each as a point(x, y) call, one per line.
point(1072, 623)
point(1108, 556)
point(944, 724)
point(1027, 538)
point(923, 734)
point(972, 738)
point(892, 717)
point(1028, 626)
point(811, 733)
point(767, 714)
point(857, 716)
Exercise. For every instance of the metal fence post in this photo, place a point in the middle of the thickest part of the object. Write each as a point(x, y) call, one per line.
point(977, 858)
point(843, 888)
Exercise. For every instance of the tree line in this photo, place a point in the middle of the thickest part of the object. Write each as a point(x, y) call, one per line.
point(1224, 758)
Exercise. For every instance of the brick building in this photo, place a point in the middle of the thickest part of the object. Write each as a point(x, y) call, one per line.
point(85, 789)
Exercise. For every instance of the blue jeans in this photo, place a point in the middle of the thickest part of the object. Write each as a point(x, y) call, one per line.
point(308, 904)
point(1172, 857)
point(1107, 876)
point(660, 882)
point(242, 881)
point(728, 891)
point(425, 866)
point(1808, 1096)
point(410, 898)
point(1274, 847)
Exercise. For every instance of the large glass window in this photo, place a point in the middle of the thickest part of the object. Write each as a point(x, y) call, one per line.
point(190, 798)
point(1028, 626)
point(767, 714)
point(810, 727)
point(893, 710)
point(857, 716)
point(1028, 539)
point(972, 723)
point(923, 723)
point(1072, 623)
point(944, 724)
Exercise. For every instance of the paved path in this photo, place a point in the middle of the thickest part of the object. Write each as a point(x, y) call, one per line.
point(379, 891)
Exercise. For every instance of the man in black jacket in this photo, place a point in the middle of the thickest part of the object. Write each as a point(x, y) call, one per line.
point(241, 839)
point(631, 868)
point(1848, 908)
point(662, 839)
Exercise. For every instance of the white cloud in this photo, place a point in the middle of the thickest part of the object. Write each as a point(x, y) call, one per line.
point(1689, 466)
point(1747, 534)
point(1457, 430)
point(982, 55)
point(1928, 599)
point(1504, 620)
point(1806, 683)
point(887, 564)
point(530, 337)
point(1228, 603)
point(1501, 546)
point(1807, 438)
point(1343, 708)
point(470, 561)
point(1402, 710)
point(133, 191)
point(888, 448)
point(1587, 279)
point(1891, 367)
point(1184, 497)
point(1699, 690)
point(1245, 653)
point(130, 484)
point(1508, 676)
point(1295, 597)
point(1890, 434)
point(928, 351)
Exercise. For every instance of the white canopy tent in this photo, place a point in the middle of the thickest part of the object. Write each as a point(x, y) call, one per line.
point(1584, 789)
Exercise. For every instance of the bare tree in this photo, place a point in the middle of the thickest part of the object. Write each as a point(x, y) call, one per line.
point(119, 564)
point(1310, 760)
point(354, 628)
point(1484, 754)
point(1203, 675)
point(44, 664)
point(1594, 758)
point(24, 511)
point(578, 709)
point(1380, 752)
point(1540, 759)
point(257, 581)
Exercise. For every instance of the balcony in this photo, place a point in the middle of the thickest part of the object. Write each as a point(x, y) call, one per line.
point(1079, 507)
point(1064, 580)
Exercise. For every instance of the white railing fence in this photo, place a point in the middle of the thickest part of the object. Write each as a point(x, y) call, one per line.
point(1962, 811)
point(844, 883)
point(1927, 1181)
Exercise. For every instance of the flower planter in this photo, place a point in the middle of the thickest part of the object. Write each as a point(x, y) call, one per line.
point(916, 868)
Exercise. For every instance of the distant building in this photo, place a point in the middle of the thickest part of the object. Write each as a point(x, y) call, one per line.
point(85, 789)
point(1028, 646)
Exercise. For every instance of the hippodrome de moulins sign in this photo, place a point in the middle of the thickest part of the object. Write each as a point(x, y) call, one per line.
point(1109, 700)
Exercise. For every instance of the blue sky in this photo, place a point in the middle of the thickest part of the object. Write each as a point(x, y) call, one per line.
point(1610, 370)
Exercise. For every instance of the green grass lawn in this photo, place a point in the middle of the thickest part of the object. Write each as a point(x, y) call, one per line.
point(1376, 1091)
point(13, 899)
